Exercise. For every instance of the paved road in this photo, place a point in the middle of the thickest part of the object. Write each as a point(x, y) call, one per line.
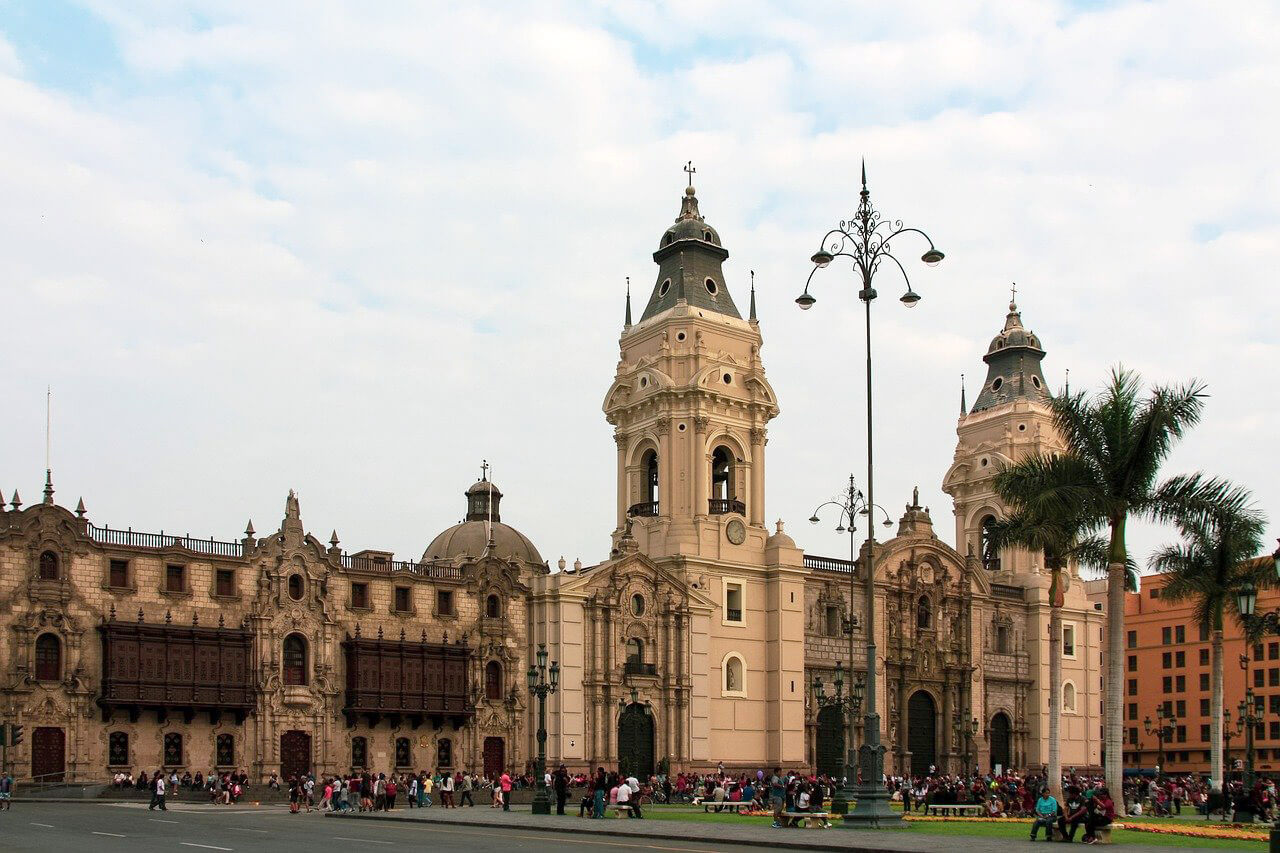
point(130, 828)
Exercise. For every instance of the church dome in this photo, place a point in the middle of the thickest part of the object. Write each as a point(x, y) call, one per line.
point(689, 224)
point(471, 536)
point(1014, 334)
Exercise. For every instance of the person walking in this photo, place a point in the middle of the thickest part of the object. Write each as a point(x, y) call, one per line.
point(600, 790)
point(467, 784)
point(157, 793)
point(777, 795)
point(561, 784)
point(6, 791)
point(446, 791)
point(505, 783)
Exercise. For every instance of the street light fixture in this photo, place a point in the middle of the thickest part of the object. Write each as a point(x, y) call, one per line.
point(866, 240)
point(542, 683)
point(1163, 729)
point(850, 706)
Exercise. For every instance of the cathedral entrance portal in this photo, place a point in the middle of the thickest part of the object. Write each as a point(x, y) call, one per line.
point(1000, 741)
point(830, 757)
point(922, 725)
point(635, 741)
point(48, 754)
point(295, 754)
point(495, 757)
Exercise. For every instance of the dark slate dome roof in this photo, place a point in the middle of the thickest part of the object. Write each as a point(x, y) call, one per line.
point(469, 539)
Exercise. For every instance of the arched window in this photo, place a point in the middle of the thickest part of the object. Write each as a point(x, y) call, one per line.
point(173, 750)
point(651, 476)
point(734, 675)
point(635, 650)
point(295, 659)
point(492, 607)
point(444, 753)
point(722, 474)
point(48, 566)
point(48, 658)
point(990, 553)
point(1068, 698)
point(225, 750)
point(833, 627)
point(493, 681)
point(1002, 639)
point(295, 587)
point(404, 752)
point(118, 749)
point(924, 613)
point(359, 753)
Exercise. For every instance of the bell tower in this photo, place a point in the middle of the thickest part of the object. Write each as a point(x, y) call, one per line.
point(690, 406)
point(1010, 420)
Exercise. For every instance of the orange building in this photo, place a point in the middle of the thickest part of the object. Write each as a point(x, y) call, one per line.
point(1167, 667)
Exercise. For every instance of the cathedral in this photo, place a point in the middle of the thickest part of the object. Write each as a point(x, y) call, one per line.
point(696, 642)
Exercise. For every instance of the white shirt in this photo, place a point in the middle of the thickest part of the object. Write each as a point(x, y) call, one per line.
point(634, 783)
point(160, 785)
point(624, 793)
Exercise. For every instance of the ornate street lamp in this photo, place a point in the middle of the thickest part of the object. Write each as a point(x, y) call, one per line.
point(851, 705)
point(966, 733)
point(1163, 729)
point(541, 686)
point(865, 240)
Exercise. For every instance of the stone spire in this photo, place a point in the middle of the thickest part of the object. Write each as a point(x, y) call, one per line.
point(48, 486)
point(752, 315)
point(627, 322)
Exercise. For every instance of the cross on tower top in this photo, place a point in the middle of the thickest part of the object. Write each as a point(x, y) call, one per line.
point(484, 470)
point(690, 170)
point(1013, 292)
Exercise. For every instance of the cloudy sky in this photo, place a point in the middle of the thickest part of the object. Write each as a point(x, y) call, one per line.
point(354, 248)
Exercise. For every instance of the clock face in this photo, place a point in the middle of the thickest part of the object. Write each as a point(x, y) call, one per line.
point(736, 531)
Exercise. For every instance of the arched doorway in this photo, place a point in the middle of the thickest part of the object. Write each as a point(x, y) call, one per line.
point(1000, 740)
point(922, 721)
point(295, 754)
point(635, 741)
point(48, 754)
point(830, 752)
point(495, 757)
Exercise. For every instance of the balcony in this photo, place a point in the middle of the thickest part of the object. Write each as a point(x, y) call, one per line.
point(721, 506)
point(647, 509)
point(635, 667)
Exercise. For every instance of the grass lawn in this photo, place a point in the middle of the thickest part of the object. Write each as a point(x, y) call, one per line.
point(1011, 831)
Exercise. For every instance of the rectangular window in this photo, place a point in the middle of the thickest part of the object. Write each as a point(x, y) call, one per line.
point(1166, 684)
point(402, 602)
point(359, 596)
point(1259, 702)
point(1155, 592)
point(733, 602)
point(1274, 701)
point(1132, 639)
point(1166, 660)
point(118, 573)
point(1258, 677)
point(1133, 710)
point(1204, 732)
point(1181, 707)
point(1274, 730)
point(1180, 684)
point(1257, 652)
point(1204, 681)
point(1204, 657)
point(1133, 663)
point(833, 624)
point(1180, 633)
point(1166, 635)
point(1002, 639)
point(444, 602)
point(1133, 736)
point(226, 583)
point(1068, 641)
point(1204, 632)
point(1133, 687)
point(175, 578)
point(1273, 651)
point(1273, 677)
point(1204, 707)
point(1168, 707)
point(1182, 734)
point(1180, 659)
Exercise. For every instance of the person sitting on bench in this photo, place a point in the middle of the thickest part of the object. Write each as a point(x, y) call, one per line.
point(1046, 815)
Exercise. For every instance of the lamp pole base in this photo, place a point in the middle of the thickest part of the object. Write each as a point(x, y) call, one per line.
point(872, 811)
point(541, 801)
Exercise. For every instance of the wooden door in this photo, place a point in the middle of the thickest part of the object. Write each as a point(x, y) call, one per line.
point(495, 757)
point(1000, 752)
point(295, 754)
point(635, 742)
point(830, 751)
point(48, 754)
point(922, 732)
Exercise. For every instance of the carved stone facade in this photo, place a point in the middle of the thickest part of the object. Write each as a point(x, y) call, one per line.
point(273, 614)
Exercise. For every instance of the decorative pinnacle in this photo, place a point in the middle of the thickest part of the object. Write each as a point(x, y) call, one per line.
point(16, 503)
point(80, 510)
point(963, 407)
point(752, 316)
point(248, 528)
point(628, 319)
point(333, 540)
point(48, 485)
point(864, 175)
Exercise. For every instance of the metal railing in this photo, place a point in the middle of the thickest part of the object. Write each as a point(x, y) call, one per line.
point(635, 667)
point(827, 564)
point(377, 565)
point(723, 506)
point(131, 538)
point(644, 509)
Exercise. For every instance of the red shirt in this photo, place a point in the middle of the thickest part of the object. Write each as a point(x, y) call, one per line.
point(505, 782)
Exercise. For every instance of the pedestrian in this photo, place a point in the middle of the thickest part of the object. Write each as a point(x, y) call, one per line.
point(380, 793)
point(600, 790)
point(777, 795)
point(446, 791)
point(6, 791)
point(412, 794)
point(561, 783)
point(467, 784)
point(390, 790)
point(505, 783)
point(157, 793)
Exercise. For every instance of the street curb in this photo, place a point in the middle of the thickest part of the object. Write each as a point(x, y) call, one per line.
point(667, 835)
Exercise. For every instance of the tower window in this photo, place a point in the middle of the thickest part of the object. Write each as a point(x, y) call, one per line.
point(635, 650)
point(493, 681)
point(651, 476)
point(990, 553)
point(665, 286)
point(48, 658)
point(728, 379)
point(723, 497)
point(711, 287)
point(295, 660)
point(48, 566)
point(733, 602)
point(1002, 639)
point(492, 607)
point(1035, 380)
point(833, 621)
point(295, 587)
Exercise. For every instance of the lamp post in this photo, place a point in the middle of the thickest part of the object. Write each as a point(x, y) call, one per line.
point(1163, 729)
point(850, 706)
point(865, 240)
point(851, 504)
point(541, 686)
point(1226, 743)
point(966, 732)
point(1254, 627)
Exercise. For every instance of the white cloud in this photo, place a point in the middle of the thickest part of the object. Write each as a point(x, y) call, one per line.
point(355, 250)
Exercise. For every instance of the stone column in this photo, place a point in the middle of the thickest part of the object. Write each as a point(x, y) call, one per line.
point(755, 501)
point(700, 465)
point(624, 492)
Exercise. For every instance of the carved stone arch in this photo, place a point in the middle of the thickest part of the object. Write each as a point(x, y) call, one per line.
point(726, 436)
point(640, 444)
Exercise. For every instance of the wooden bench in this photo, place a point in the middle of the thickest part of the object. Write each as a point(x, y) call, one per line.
point(729, 805)
point(1103, 834)
point(620, 809)
point(809, 820)
point(955, 809)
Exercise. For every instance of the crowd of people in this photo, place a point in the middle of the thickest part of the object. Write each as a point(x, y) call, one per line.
point(370, 792)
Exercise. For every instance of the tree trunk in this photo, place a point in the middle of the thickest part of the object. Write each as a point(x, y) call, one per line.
point(1055, 702)
point(1114, 725)
point(1215, 727)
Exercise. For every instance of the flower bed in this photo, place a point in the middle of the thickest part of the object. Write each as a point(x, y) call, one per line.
point(1224, 831)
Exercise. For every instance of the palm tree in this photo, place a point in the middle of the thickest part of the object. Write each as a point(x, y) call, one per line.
point(1115, 443)
point(1209, 566)
point(1061, 539)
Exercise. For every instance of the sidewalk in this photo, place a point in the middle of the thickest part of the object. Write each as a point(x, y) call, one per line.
point(838, 838)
